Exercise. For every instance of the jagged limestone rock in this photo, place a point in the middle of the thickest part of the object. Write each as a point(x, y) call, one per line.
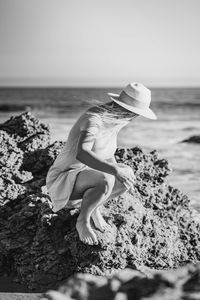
point(152, 227)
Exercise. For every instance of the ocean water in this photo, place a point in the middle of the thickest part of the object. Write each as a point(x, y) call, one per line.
point(178, 111)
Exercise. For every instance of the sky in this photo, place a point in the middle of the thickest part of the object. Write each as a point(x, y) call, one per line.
point(99, 42)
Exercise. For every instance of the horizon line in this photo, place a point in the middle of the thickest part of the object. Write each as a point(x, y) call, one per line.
point(6, 82)
point(95, 86)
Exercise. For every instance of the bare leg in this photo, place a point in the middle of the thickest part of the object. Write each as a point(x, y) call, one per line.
point(91, 198)
point(97, 217)
point(98, 220)
point(94, 188)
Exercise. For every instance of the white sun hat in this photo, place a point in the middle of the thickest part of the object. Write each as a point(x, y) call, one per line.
point(136, 98)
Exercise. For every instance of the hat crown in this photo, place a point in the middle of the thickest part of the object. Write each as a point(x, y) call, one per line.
point(138, 92)
point(136, 98)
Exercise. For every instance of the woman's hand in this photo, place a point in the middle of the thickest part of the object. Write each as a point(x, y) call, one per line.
point(125, 175)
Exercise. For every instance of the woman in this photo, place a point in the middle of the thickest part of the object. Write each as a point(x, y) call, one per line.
point(85, 172)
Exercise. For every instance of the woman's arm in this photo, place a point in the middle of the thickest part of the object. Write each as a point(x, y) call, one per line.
point(88, 157)
point(113, 160)
point(84, 154)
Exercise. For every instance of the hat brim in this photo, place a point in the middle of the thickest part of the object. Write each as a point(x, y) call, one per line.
point(147, 113)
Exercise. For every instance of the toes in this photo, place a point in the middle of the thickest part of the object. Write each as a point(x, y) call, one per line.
point(86, 241)
point(95, 241)
point(89, 241)
point(87, 236)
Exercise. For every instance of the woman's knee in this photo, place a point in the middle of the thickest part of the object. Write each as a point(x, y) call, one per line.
point(92, 179)
point(106, 183)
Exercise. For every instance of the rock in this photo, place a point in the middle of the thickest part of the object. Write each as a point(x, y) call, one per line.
point(193, 139)
point(154, 226)
point(27, 131)
point(11, 176)
point(183, 283)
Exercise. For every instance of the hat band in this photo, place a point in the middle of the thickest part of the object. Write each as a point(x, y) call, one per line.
point(125, 98)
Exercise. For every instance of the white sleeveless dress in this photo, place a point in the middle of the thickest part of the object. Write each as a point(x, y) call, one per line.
point(62, 174)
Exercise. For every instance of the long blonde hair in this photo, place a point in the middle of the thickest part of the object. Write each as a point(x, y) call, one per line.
point(111, 112)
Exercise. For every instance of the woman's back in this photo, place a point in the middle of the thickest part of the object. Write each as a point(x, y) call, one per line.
point(67, 157)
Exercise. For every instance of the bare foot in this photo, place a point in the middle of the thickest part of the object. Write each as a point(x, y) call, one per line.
point(85, 232)
point(99, 221)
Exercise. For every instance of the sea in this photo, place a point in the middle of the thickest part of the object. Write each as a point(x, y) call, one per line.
point(177, 109)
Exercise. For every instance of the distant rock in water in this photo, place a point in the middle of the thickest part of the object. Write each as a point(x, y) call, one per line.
point(193, 139)
point(154, 227)
point(14, 107)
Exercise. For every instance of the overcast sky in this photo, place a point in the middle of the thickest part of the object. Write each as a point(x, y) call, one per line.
point(100, 42)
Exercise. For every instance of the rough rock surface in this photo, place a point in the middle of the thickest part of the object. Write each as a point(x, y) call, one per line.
point(180, 284)
point(195, 139)
point(153, 227)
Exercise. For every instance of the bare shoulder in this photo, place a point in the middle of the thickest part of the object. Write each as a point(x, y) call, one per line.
point(93, 109)
point(93, 113)
point(90, 121)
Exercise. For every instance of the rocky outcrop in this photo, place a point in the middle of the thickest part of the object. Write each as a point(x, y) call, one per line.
point(183, 283)
point(195, 139)
point(153, 227)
